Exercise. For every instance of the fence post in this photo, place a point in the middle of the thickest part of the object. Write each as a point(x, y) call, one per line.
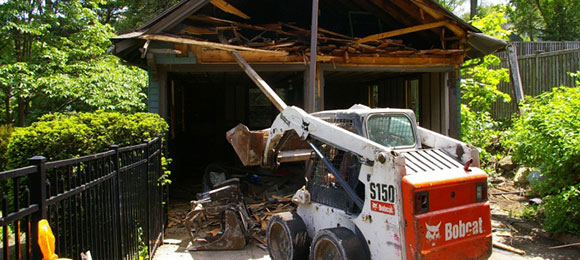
point(38, 196)
point(164, 188)
point(118, 198)
point(148, 183)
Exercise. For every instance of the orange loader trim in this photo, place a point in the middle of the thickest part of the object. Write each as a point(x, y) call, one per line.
point(455, 225)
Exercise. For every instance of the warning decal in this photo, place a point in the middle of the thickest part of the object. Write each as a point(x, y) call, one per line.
point(382, 207)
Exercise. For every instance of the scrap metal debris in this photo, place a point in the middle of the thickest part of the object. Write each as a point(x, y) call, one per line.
point(223, 219)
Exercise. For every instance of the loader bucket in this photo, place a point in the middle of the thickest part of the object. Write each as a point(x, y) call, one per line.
point(249, 145)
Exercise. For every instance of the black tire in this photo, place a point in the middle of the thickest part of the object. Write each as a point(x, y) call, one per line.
point(337, 244)
point(287, 237)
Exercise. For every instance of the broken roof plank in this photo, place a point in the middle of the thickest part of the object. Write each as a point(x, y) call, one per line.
point(228, 8)
point(213, 45)
point(437, 15)
point(380, 36)
point(221, 56)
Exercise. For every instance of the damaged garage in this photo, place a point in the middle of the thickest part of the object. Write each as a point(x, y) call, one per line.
point(380, 53)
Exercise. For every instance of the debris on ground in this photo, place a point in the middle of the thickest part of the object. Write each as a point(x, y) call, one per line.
point(236, 210)
point(508, 248)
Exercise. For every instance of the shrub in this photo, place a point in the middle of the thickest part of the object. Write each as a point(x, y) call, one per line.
point(63, 136)
point(5, 134)
point(547, 135)
point(480, 130)
point(562, 211)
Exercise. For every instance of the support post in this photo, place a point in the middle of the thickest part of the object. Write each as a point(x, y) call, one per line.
point(515, 73)
point(38, 196)
point(310, 89)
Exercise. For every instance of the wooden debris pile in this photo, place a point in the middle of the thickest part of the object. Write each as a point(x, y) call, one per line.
point(284, 38)
point(263, 210)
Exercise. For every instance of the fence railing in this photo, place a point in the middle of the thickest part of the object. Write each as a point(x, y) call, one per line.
point(109, 203)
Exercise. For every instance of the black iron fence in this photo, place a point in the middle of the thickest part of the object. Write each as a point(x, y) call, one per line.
point(109, 203)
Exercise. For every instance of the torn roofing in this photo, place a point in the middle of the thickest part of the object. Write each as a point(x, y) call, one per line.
point(479, 44)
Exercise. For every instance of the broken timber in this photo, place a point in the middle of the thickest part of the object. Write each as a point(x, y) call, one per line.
point(266, 89)
point(398, 32)
point(228, 8)
point(213, 45)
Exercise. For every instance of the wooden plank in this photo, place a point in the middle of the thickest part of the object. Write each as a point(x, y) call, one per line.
point(221, 56)
point(392, 10)
point(214, 45)
point(310, 96)
point(515, 73)
point(228, 8)
point(197, 30)
point(399, 32)
point(261, 83)
point(438, 16)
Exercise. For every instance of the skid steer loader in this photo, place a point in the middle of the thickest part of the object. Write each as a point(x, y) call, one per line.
point(377, 185)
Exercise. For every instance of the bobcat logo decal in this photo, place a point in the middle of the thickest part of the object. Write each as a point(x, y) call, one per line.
point(432, 233)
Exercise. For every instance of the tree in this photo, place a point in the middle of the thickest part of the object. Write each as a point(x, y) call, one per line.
point(479, 88)
point(557, 20)
point(473, 8)
point(451, 5)
point(53, 58)
point(126, 15)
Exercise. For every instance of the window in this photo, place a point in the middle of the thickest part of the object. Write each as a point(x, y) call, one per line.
point(391, 130)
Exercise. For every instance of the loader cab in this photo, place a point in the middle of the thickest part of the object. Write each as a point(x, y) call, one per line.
point(392, 128)
point(395, 129)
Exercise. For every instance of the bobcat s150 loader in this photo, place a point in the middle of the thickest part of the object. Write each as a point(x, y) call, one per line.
point(377, 185)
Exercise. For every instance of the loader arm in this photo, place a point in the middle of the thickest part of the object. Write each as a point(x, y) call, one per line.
point(307, 126)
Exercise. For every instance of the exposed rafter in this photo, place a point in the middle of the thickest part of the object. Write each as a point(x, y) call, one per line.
point(398, 32)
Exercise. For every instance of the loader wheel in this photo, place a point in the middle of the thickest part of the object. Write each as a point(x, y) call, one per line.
point(336, 244)
point(287, 237)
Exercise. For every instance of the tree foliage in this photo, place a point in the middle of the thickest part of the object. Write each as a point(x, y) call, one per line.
point(479, 89)
point(53, 58)
point(556, 20)
point(451, 5)
point(126, 15)
point(480, 79)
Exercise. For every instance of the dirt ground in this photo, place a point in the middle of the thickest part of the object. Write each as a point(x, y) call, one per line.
point(508, 229)
point(526, 235)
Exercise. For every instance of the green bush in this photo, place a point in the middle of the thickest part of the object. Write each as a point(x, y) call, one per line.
point(480, 130)
point(562, 211)
point(63, 136)
point(547, 134)
point(5, 134)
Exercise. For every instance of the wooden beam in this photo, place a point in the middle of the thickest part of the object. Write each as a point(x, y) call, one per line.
point(255, 77)
point(417, 60)
point(398, 32)
point(310, 89)
point(213, 45)
point(515, 73)
point(393, 10)
point(228, 8)
point(197, 30)
point(438, 16)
